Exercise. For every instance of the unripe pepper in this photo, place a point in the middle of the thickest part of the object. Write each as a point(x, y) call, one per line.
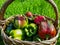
point(31, 30)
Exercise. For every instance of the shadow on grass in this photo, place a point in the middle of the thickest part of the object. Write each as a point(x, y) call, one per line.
point(22, 0)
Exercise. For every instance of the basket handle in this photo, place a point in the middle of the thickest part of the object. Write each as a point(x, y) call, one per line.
point(4, 7)
point(56, 12)
point(8, 2)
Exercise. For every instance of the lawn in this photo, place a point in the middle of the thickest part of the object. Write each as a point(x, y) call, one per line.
point(35, 6)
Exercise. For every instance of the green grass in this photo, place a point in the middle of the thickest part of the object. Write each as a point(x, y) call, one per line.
point(35, 6)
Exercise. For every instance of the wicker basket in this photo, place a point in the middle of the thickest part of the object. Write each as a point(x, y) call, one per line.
point(9, 41)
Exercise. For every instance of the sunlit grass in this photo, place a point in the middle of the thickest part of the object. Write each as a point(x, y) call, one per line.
point(35, 6)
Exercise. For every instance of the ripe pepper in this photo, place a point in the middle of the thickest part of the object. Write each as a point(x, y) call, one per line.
point(20, 22)
point(46, 30)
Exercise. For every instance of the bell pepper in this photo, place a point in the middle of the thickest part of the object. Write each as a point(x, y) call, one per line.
point(31, 29)
point(17, 34)
point(20, 22)
point(39, 19)
point(46, 30)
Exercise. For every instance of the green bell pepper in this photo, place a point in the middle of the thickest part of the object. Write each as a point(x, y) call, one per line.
point(31, 29)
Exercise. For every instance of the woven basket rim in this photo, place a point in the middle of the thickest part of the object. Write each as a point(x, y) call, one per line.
point(8, 2)
point(45, 41)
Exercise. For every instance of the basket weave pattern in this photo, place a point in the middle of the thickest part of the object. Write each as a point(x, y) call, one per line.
point(9, 41)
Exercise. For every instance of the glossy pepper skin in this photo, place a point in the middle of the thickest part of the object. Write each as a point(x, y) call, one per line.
point(46, 31)
point(17, 34)
point(53, 31)
point(39, 19)
point(31, 29)
point(20, 22)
